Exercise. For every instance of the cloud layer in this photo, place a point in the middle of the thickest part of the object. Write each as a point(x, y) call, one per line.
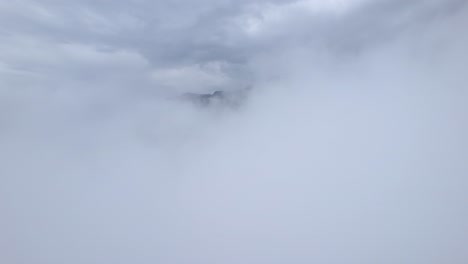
point(351, 147)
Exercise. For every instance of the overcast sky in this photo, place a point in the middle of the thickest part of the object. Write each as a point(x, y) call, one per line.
point(350, 148)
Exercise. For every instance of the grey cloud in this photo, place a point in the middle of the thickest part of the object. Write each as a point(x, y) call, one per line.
point(181, 34)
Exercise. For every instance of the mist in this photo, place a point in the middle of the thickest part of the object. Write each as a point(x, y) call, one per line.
point(350, 145)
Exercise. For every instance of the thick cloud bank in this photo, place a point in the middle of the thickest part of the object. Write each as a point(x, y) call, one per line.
point(350, 147)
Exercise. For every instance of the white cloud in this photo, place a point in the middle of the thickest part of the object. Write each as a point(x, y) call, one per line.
point(196, 78)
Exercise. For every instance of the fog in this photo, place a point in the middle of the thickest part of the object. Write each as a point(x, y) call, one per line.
point(351, 145)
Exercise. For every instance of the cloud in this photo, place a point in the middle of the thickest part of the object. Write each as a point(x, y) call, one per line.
point(351, 147)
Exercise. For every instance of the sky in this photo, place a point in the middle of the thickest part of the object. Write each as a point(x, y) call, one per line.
point(350, 147)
